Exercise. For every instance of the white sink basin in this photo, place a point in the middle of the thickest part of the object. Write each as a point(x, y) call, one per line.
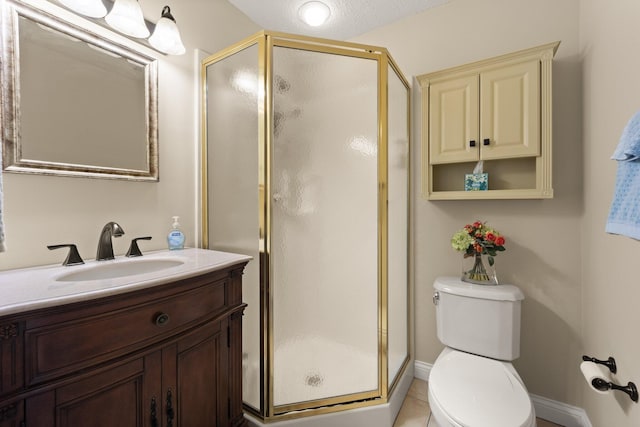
point(111, 270)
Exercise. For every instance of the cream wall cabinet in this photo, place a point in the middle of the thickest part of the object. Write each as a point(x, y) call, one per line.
point(497, 110)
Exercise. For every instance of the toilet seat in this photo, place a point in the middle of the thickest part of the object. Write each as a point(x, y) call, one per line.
point(475, 391)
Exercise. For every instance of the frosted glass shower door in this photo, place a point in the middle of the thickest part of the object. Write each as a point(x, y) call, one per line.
point(234, 193)
point(398, 249)
point(324, 204)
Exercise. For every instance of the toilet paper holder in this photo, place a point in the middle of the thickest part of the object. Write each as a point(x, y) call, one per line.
point(609, 363)
point(603, 385)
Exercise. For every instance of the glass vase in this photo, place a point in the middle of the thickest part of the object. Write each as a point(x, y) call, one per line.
point(477, 269)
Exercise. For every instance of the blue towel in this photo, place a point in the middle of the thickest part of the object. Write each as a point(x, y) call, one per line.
point(629, 145)
point(624, 216)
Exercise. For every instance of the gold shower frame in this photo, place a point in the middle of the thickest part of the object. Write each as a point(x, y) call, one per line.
point(266, 41)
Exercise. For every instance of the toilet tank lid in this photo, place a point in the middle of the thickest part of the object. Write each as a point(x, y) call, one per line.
point(455, 286)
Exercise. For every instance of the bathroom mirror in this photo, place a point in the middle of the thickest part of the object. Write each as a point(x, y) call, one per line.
point(73, 102)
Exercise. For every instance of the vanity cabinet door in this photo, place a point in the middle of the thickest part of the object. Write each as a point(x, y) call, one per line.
point(12, 414)
point(120, 396)
point(197, 367)
point(11, 357)
point(203, 367)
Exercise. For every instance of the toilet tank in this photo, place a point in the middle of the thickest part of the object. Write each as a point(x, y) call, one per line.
point(478, 319)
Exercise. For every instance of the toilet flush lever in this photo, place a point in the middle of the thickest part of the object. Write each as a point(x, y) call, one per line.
point(436, 298)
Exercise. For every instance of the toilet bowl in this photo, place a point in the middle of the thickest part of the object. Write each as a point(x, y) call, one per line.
point(466, 390)
point(473, 383)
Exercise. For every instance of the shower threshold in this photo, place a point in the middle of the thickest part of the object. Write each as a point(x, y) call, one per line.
point(382, 415)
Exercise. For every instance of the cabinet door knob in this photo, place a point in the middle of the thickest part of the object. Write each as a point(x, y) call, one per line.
point(486, 141)
point(161, 319)
point(472, 143)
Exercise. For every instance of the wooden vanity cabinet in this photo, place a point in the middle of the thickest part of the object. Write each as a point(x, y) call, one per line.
point(183, 371)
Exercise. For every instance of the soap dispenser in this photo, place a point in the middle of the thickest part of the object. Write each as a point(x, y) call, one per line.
point(175, 238)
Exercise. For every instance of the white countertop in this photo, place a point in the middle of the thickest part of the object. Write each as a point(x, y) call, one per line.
point(38, 287)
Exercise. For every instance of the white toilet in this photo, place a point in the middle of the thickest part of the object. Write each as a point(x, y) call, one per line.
point(473, 383)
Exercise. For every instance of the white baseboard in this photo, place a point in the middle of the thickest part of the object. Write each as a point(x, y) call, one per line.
point(421, 370)
point(560, 413)
point(547, 409)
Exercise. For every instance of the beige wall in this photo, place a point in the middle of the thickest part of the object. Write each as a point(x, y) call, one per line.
point(41, 210)
point(580, 283)
point(543, 254)
point(609, 42)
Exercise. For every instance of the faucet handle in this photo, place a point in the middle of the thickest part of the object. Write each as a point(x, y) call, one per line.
point(134, 250)
point(73, 258)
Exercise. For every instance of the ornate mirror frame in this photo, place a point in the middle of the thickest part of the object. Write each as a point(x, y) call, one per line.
point(10, 110)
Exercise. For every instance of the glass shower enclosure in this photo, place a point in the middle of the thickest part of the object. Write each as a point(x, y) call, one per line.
point(306, 168)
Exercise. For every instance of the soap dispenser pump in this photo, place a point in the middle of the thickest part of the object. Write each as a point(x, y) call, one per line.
point(175, 238)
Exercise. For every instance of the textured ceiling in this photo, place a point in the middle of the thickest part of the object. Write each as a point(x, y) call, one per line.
point(349, 18)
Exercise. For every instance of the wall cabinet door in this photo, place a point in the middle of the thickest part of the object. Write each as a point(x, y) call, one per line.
point(490, 115)
point(453, 120)
point(510, 111)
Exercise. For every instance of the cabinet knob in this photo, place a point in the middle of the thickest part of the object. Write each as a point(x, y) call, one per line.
point(486, 141)
point(472, 143)
point(161, 319)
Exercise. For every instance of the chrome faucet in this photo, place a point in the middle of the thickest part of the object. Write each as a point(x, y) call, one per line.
point(105, 246)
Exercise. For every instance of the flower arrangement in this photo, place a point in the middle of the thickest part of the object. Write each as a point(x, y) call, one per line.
point(478, 239)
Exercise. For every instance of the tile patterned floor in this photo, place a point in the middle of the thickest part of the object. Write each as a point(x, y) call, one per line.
point(415, 409)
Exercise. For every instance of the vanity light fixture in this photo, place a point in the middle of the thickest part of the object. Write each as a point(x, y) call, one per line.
point(91, 8)
point(314, 13)
point(166, 36)
point(126, 17)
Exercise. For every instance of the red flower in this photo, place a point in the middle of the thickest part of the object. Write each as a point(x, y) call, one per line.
point(500, 241)
point(491, 237)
